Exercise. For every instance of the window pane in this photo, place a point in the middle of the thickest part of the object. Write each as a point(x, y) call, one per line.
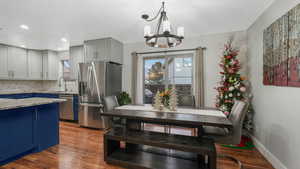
point(180, 74)
point(154, 78)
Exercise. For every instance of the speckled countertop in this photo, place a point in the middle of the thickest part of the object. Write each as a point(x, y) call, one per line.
point(36, 91)
point(6, 104)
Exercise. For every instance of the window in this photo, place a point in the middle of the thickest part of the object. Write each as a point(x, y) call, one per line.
point(161, 73)
point(66, 69)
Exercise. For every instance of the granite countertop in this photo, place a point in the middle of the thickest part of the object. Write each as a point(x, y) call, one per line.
point(6, 104)
point(37, 91)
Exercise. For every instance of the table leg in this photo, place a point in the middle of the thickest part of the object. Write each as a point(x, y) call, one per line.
point(132, 125)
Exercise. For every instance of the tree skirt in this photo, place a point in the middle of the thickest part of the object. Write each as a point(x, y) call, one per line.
point(246, 144)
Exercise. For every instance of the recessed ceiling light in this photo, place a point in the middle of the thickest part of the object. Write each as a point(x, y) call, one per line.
point(25, 27)
point(64, 39)
point(23, 46)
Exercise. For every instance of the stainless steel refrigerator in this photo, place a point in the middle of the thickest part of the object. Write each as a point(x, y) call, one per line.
point(97, 80)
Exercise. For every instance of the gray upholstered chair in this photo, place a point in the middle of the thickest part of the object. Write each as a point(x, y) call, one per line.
point(186, 101)
point(229, 136)
point(111, 102)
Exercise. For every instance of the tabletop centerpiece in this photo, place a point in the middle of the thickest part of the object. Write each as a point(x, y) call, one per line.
point(166, 99)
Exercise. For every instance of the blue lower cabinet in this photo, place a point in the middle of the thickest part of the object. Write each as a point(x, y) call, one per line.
point(46, 95)
point(17, 128)
point(47, 126)
point(27, 130)
point(75, 107)
point(17, 96)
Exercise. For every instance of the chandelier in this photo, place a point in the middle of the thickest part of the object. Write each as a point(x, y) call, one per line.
point(162, 37)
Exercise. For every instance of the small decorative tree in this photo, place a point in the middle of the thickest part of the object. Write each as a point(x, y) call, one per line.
point(173, 99)
point(157, 101)
point(231, 86)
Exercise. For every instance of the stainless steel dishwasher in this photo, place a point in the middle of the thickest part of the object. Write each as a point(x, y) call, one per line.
point(66, 108)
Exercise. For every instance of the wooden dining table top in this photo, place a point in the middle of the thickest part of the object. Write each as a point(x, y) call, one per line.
point(172, 118)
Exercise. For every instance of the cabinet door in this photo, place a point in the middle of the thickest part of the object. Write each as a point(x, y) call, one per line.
point(116, 51)
point(3, 62)
point(17, 63)
point(35, 64)
point(17, 128)
point(47, 126)
point(96, 50)
point(76, 57)
point(53, 65)
point(45, 65)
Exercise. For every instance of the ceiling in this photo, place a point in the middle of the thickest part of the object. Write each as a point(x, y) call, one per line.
point(79, 20)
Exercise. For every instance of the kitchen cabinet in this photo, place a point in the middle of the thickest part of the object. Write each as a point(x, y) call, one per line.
point(76, 57)
point(47, 126)
point(116, 51)
point(27, 130)
point(3, 62)
point(106, 49)
point(17, 63)
point(17, 128)
point(51, 63)
point(35, 64)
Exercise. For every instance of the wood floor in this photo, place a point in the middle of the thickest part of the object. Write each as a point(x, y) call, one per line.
point(82, 148)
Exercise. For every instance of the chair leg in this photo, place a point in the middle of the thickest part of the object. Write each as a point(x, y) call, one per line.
point(238, 162)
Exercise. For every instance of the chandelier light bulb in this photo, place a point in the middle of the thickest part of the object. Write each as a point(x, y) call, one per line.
point(147, 31)
point(180, 31)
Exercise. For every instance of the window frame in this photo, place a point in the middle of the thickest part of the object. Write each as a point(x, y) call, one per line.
point(166, 57)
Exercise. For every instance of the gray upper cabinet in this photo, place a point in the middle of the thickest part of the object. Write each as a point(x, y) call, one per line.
point(3, 62)
point(35, 64)
point(106, 49)
point(17, 63)
point(76, 57)
point(116, 51)
point(51, 63)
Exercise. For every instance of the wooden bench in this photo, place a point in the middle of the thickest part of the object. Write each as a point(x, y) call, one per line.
point(150, 150)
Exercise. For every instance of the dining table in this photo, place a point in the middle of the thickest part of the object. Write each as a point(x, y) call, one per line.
point(150, 149)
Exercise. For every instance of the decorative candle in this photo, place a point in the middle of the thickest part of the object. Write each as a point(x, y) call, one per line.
point(147, 30)
point(166, 26)
point(180, 31)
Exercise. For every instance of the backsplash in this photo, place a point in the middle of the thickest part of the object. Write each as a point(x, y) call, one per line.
point(11, 85)
point(21, 85)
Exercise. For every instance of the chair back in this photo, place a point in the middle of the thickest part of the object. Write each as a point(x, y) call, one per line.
point(110, 102)
point(186, 100)
point(237, 116)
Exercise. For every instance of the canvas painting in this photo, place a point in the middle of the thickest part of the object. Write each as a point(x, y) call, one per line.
point(294, 47)
point(282, 51)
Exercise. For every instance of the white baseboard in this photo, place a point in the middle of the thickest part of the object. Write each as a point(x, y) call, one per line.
point(276, 163)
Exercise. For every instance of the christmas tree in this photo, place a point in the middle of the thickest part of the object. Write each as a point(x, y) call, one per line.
point(157, 101)
point(231, 86)
point(173, 99)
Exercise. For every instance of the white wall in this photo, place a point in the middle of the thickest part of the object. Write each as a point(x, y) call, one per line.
point(277, 118)
point(213, 43)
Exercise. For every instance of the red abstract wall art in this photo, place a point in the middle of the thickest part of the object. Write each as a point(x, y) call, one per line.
point(282, 51)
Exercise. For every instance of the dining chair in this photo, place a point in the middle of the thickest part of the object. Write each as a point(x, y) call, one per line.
point(184, 101)
point(229, 136)
point(111, 102)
